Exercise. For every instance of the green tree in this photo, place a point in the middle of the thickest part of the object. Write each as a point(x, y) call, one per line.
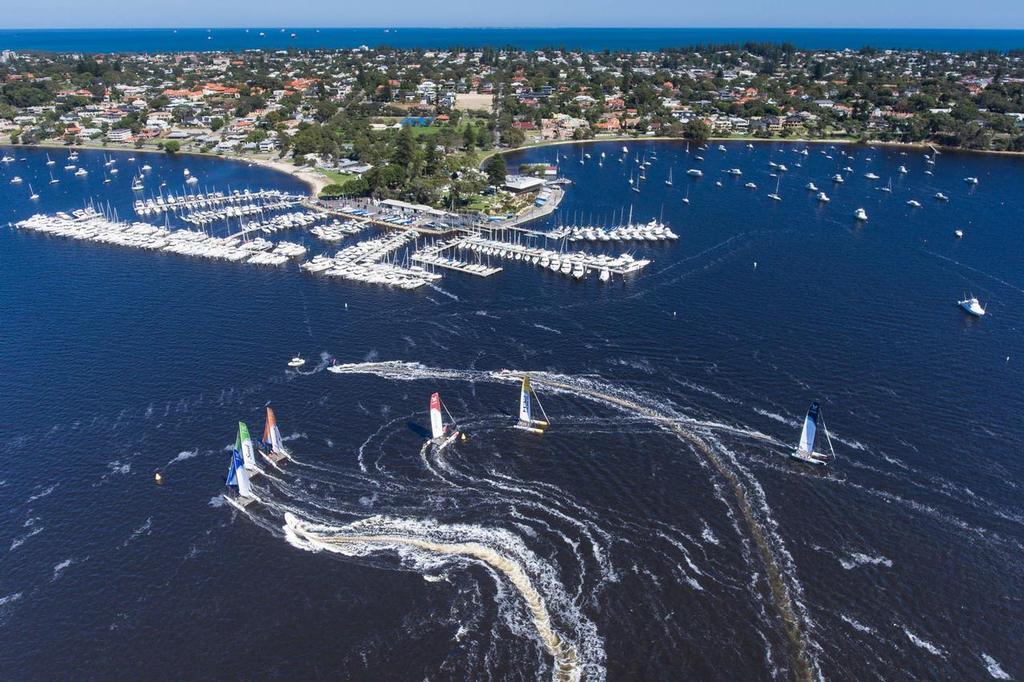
point(172, 146)
point(496, 169)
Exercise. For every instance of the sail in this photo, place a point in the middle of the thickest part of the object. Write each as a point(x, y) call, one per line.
point(237, 476)
point(436, 425)
point(244, 445)
point(810, 429)
point(272, 434)
point(525, 409)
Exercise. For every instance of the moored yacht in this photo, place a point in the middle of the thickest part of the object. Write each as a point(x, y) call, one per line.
point(860, 214)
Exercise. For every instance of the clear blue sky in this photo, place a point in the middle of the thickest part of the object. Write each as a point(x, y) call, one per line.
point(514, 13)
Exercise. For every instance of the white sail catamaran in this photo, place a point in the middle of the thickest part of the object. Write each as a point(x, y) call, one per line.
point(273, 445)
point(441, 434)
point(805, 450)
point(527, 396)
point(238, 477)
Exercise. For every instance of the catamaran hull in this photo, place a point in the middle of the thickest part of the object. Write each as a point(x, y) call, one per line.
point(239, 503)
point(817, 459)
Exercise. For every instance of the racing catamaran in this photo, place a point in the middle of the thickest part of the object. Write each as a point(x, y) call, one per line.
point(273, 446)
point(243, 444)
point(239, 478)
point(440, 433)
point(526, 421)
point(805, 450)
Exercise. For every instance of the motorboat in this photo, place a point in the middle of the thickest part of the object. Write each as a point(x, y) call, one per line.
point(296, 362)
point(959, 234)
point(860, 214)
point(838, 179)
point(914, 203)
point(971, 180)
point(972, 306)
point(695, 172)
point(750, 185)
point(822, 197)
point(811, 187)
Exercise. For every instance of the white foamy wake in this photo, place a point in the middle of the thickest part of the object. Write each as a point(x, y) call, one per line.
point(578, 654)
point(749, 498)
point(859, 559)
point(993, 668)
point(933, 649)
point(183, 455)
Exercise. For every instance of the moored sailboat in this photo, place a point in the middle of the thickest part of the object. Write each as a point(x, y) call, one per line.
point(805, 450)
point(527, 396)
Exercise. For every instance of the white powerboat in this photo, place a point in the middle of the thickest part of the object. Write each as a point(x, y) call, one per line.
point(914, 203)
point(823, 198)
point(860, 214)
point(972, 306)
point(296, 362)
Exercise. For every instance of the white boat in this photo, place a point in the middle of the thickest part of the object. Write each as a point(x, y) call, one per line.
point(959, 234)
point(734, 171)
point(273, 449)
point(972, 306)
point(805, 450)
point(81, 172)
point(16, 180)
point(941, 197)
point(7, 159)
point(192, 180)
point(137, 185)
point(860, 214)
point(838, 179)
point(605, 274)
point(971, 180)
point(669, 181)
point(527, 396)
point(750, 185)
point(870, 176)
point(238, 477)
point(822, 197)
point(147, 167)
point(774, 196)
point(903, 170)
point(187, 172)
point(695, 172)
point(439, 431)
point(721, 147)
point(49, 161)
point(811, 187)
point(914, 203)
point(297, 361)
point(31, 194)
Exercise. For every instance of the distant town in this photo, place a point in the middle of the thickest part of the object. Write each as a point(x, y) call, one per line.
point(422, 125)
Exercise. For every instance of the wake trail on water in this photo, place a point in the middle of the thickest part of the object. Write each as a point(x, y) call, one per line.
point(748, 498)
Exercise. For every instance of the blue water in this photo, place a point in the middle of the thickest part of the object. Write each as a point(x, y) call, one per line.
point(628, 39)
point(903, 558)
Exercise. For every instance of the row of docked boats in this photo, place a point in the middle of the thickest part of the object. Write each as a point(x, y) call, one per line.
point(337, 230)
point(215, 215)
point(576, 264)
point(368, 262)
point(433, 255)
point(89, 225)
point(652, 231)
point(209, 200)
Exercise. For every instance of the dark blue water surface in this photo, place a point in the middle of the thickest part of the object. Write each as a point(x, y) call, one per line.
point(902, 560)
point(623, 39)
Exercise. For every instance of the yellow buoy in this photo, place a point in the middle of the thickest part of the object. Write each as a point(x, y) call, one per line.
point(158, 477)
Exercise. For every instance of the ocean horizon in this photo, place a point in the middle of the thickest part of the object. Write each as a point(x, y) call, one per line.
point(114, 40)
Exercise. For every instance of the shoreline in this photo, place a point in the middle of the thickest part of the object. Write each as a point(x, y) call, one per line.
point(790, 140)
point(313, 179)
